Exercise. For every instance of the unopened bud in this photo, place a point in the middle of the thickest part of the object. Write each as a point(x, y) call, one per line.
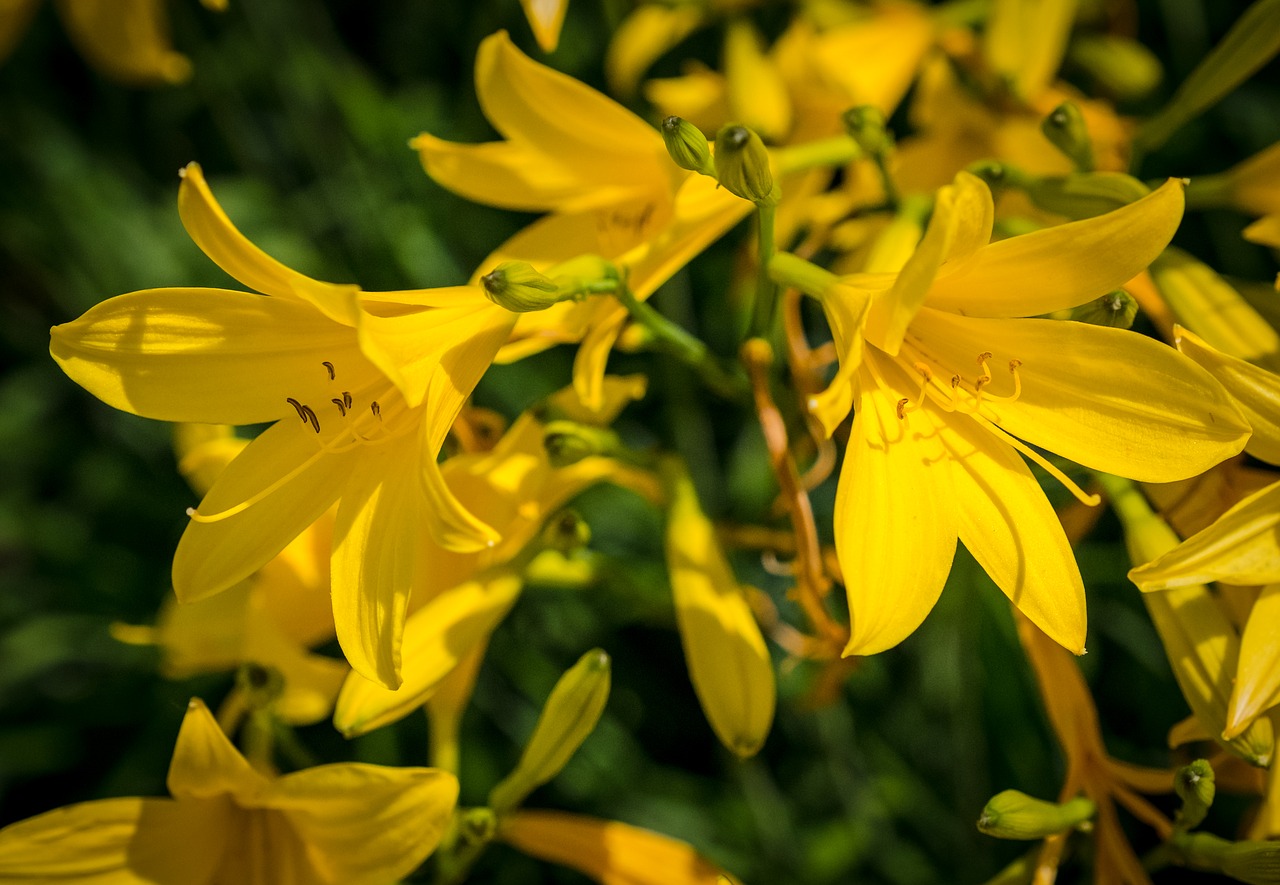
point(568, 442)
point(260, 685)
point(1195, 786)
point(570, 714)
point(1085, 194)
point(1115, 309)
point(867, 127)
point(516, 286)
point(997, 174)
point(687, 146)
point(1257, 863)
point(1015, 815)
point(1066, 129)
point(566, 533)
point(1121, 66)
point(742, 166)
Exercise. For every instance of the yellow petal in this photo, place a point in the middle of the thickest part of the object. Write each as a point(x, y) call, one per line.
point(612, 853)
point(641, 38)
point(378, 559)
point(205, 636)
point(15, 15)
point(757, 93)
point(1025, 41)
point(1062, 266)
point(365, 824)
point(1255, 182)
point(1256, 391)
point(546, 18)
point(118, 842)
point(700, 96)
point(726, 654)
point(1265, 231)
point(126, 39)
point(436, 638)
point(1242, 547)
point(211, 229)
point(311, 682)
point(1257, 682)
point(847, 309)
point(206, 355)
point(1006, 522)
point(592, 359)
point(205, 764)
point(895, 521)
point(300, 481)
point(1106, 398)
point(889, 45)
point(204, 451)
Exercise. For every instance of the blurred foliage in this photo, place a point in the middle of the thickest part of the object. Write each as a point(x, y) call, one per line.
point(300, 114)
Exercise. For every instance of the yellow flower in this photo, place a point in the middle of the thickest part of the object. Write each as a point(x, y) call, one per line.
point(367, 385)
point(605, 176)
point(952, 383)
point(345, 824)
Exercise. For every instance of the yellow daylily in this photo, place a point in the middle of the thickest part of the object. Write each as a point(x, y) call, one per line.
point(934, 452)
point(367, 385)
point(515, 488)
point(1251, 186)
point(344, 824)
point(605, 176)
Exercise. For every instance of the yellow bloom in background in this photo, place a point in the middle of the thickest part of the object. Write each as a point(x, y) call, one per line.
point(1251, 186)
point(953, 381)
point(605, 176)
point(127, 40)
point(367, 385)
point(344, 824)
point(546, 18)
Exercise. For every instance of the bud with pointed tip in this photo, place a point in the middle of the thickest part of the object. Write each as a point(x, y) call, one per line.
point(869, 130)
point(516, 286)
point(1195, 786)
point(1015, 815)
point(1066, 129)
point(1115, 309)
point(742, 166)
point(687, 146)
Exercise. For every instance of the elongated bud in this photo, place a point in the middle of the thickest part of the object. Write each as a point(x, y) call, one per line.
point(1122, 67)
point(1015, 815)
point(1257, 863)
point(1115, 309)
point(869, 130)
point(687, 146)
point(1065, 128)
point(1195, 786)
point(742, 165)
point(1084, 194)
point(516, 286)
point(568, 442)
point(570, 714)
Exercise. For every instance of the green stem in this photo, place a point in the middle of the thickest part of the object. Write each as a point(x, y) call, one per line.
point(1210, 192)
point(891, 198)
point(442, 737)
point(835, 151)
point(791, 270)
point(685, 347)
point(766, 307)
point(470, 832)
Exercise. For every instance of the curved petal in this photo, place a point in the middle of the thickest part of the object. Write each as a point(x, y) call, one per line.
point(365, 824)
point(218, 238)
point(1257, 683)
point(436, 638)
point(206, 355)
point(1106, 398)
point(378, 559)
point(1241, 547)
point(1255, 390)
point(126, 39)
point(1065, 265)
point(290, 480)
point(641, 38)
point(546, 18)
point(1006, 522)
point(205, 764)
point(895, 519)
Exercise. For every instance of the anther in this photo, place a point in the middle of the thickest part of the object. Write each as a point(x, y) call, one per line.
point(955, 381)
point(376, 409)
point(346, 398)
point(906, 405)
point(310, 417)
point(341, 408)
point(298, 407)
point(329, 368)
point(902, 408)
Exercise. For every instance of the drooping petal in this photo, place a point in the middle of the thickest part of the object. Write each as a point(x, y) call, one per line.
point(546, 17)
point(1006, 522)
point(290, 480)
point(378, 559)
point(127, 39)
point(1255, 390)
point(206, 355)
point(205, 764)
point(365, 824)
point(1257, 682)
point(1106, 398)
point(612, 853)
point(118, 842)
point(895, 521)
point(1025, 42)
point(211, 229)
point(436, 638)
point(641, 38)
point(1064, 265)
point(1241, 547)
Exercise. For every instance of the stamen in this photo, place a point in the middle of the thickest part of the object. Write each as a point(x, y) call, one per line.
point(1080, 494)
point(376, 409)
point(342, 409)
point(298, 407)
point(310, 418)
point(197, 516)
point(329, 368)
point(1017, 384)
point(906, 405)
point(346, 398)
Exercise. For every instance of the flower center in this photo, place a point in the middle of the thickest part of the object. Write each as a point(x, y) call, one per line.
point(956, 397)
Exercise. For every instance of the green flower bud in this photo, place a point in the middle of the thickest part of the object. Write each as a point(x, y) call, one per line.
point(687, 146)
point(1015, 815)
point(516, 286)
point(742, 166)
point(1115, 309)
point(570, 714)
point(1085, 194)
point(1119, 65)
point(998, 175)
point(261, 686)
point(1066, 129)
point(867, 127)
point(1195, 786)
point(1257, 863)
point(568, 442)
point(567, 532)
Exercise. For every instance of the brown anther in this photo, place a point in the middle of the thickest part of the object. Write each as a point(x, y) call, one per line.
point(310, 417)
point(955, 381)
point(983, 381)
point(328, 366)
point(983, 357)
point(1013, 365)
point(924, 371)
point(902, 408)
point(342, 409)
point(376, 409)
point(298, 407)
point(346, 398)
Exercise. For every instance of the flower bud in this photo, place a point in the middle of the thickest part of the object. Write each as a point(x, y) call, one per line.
point(1015, 815)
point(568, 442)
point(867, 127)
point(1121, 66)
point(1065, 128)
point(1257, 863)
point(567, 532)
point(1084, 194)
point(570, 714)
point(742, 166)
point(516, 286)
point(1195, 786)
point(687, 146)
point(1115, 309)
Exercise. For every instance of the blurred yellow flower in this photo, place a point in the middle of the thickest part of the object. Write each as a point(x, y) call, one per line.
point(368, 385)
point(344, 824)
